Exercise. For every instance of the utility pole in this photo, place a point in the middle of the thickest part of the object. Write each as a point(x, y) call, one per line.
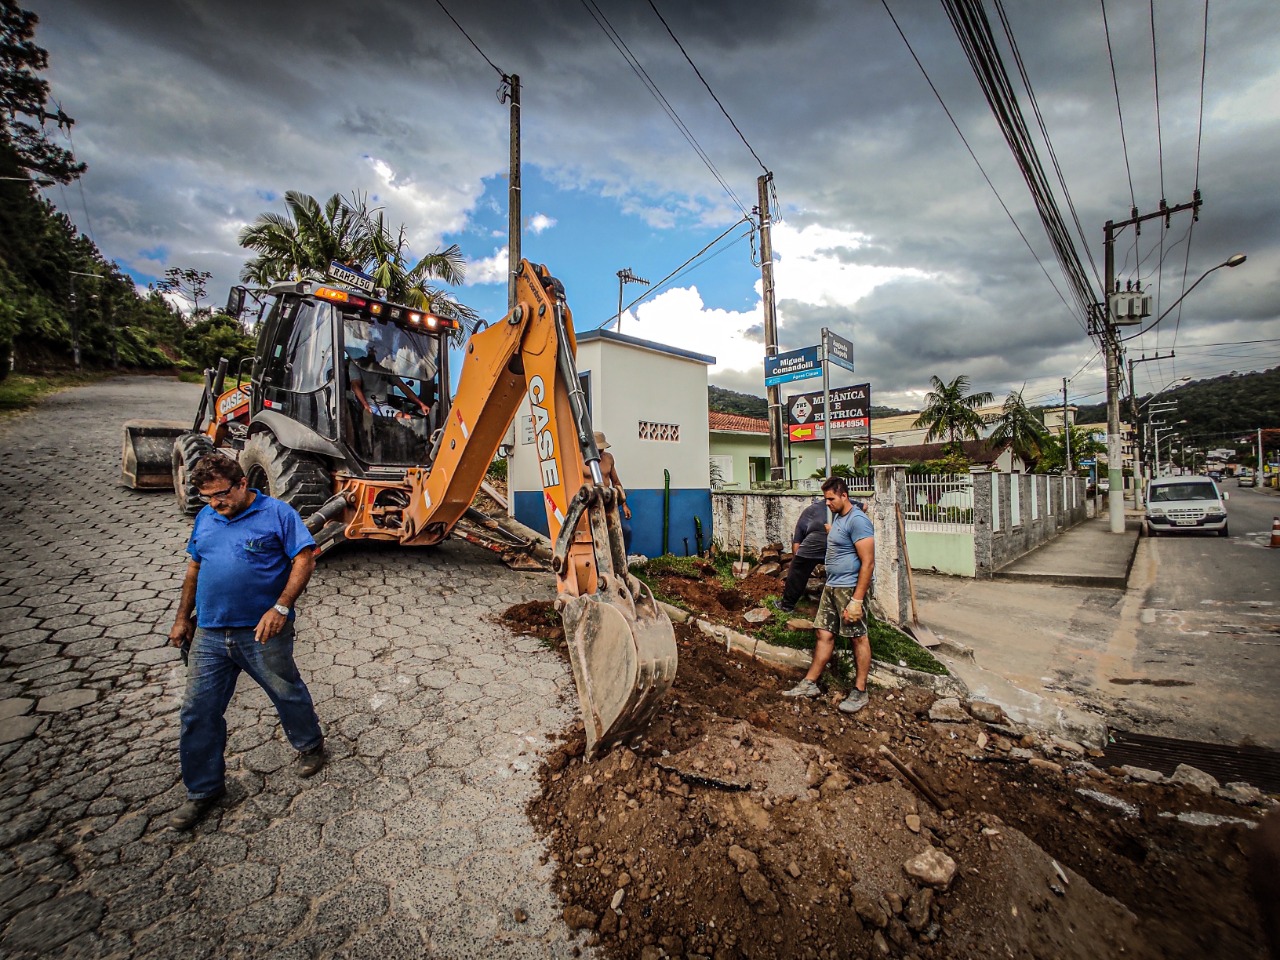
point(1139, 460)
point(1111, 346)
point(776, 470)
point(625, 276)
point(511, 92)
point(1066, 429)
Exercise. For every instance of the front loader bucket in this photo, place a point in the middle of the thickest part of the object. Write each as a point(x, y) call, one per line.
point(146, 463)
point(624, 661)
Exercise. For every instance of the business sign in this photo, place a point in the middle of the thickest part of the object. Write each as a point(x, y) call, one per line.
point(794, 365)
point(839, 351)
point(850, 414)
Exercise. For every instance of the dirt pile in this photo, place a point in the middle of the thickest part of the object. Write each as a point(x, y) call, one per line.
point(750, 825)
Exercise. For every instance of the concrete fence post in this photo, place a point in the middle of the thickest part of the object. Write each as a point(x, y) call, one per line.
point(891, 587)
point(982, 523)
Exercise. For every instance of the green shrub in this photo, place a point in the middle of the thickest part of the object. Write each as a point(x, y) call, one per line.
point(497, 470)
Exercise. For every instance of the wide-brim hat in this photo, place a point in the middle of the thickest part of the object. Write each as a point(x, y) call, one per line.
point(601, 442)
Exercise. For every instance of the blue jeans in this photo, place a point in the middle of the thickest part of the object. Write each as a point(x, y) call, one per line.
point(214, 664)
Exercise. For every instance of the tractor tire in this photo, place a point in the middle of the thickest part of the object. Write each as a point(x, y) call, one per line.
point(187, 449)
point(298, 479)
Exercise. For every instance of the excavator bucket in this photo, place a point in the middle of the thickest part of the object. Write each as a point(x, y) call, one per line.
point(146, 462)
point(623, 654)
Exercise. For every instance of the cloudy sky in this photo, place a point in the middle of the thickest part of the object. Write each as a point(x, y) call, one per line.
point(196, 116)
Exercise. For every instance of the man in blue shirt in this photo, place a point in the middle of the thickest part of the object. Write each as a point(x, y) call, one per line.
point(808, 549)
point(850, 561)
point(251, 558)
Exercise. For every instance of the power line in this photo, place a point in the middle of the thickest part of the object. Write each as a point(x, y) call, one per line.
point(973, 30)
point(441, 5)
point(1115, 83)
point(960, 133)
point(1204, 56)
point(1044, 133)
point(654, 287)
point(638, 69)
point(708, 86)
point(1155, 70)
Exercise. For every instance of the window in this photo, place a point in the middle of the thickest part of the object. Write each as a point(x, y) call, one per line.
point(761, 469)
point(309, 352)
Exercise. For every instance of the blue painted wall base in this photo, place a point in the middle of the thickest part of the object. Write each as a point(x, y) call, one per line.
point(646, 519)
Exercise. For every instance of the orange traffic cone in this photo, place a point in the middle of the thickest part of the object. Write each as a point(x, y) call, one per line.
point(1275, 533)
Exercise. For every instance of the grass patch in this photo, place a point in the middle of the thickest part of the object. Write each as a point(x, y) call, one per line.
point(19, 392)
point(191, 376)
point(888, 644)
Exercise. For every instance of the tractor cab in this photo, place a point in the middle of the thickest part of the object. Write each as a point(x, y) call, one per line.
point(344, 374)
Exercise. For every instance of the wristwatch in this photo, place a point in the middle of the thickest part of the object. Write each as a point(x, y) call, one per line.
point(281, 609)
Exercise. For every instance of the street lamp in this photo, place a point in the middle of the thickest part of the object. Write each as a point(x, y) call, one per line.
point(1156, 434)
point(1232, 261)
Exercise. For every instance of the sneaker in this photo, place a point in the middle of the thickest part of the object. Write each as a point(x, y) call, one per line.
point(192, 812)
point(805, 688)
point(856, 700)
point(787, 608)
point(310, 762)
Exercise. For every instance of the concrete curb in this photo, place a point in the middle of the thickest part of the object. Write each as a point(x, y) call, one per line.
point(884, 674)
point(1074, 579)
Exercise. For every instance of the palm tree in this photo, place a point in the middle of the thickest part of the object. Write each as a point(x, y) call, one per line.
point(304, 241)
point(1017, 426)
point(950, 413)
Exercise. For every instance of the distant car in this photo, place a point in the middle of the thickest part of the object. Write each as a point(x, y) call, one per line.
point(1183, 504)
point(1247, 480)
point(1215, 475)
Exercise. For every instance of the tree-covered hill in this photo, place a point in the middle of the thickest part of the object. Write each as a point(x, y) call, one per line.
point(1217, 411)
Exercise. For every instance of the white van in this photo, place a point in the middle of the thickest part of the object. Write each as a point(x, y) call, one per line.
point(1176, 504)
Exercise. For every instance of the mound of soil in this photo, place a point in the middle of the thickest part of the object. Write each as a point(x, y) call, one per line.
point(746, 824)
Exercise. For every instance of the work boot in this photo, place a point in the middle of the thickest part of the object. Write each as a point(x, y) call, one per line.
point(805, 688)
point(310, 761)
point(192, 812)
point(856, 700)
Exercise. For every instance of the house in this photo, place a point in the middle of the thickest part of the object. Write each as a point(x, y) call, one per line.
point(650, 399)
point(739, 452)
point(982, 454)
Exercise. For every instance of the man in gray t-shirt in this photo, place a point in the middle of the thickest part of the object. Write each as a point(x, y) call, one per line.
point(808, 548)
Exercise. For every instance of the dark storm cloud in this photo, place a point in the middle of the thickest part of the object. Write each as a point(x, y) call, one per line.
point(191, 114)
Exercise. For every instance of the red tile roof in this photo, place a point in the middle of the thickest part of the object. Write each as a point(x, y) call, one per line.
point(732, 422)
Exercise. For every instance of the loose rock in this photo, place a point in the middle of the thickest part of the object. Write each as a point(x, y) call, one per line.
point(932, 867)
point(948, 710)
point(987, 712)
point(1194, 777)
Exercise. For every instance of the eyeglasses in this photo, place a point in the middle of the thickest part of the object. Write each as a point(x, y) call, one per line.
point(220, 495)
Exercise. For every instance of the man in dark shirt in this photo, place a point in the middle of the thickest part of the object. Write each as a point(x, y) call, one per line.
point(251, 558)
point(808, 548)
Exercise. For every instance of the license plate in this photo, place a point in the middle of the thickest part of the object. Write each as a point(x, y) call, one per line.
point(1185, 523)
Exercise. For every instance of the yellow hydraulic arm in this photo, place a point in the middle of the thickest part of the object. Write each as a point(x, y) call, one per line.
point(621, 645)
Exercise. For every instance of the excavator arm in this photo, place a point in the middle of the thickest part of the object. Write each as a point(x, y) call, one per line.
point(621, 644)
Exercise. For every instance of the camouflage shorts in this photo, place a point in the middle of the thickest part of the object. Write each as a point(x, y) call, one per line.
point(835, 599)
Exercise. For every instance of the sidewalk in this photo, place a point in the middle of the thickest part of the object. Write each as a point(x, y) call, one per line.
point(1086, 555)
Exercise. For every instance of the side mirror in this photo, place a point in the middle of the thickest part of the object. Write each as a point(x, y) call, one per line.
point(235, 302)
point(1225, 495)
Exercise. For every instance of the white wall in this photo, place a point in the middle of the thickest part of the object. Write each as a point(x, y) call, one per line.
point(629, 385)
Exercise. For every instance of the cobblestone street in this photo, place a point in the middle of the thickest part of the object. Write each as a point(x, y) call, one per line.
point(411, 842)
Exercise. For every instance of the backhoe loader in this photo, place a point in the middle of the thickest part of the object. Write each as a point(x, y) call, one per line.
point(340, 417)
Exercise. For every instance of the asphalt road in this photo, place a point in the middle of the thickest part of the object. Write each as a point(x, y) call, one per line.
point(1191, 649)
point(412, 842)
point(1210, 619)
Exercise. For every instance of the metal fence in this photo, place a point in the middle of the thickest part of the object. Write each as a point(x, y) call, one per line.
point(940, 503)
